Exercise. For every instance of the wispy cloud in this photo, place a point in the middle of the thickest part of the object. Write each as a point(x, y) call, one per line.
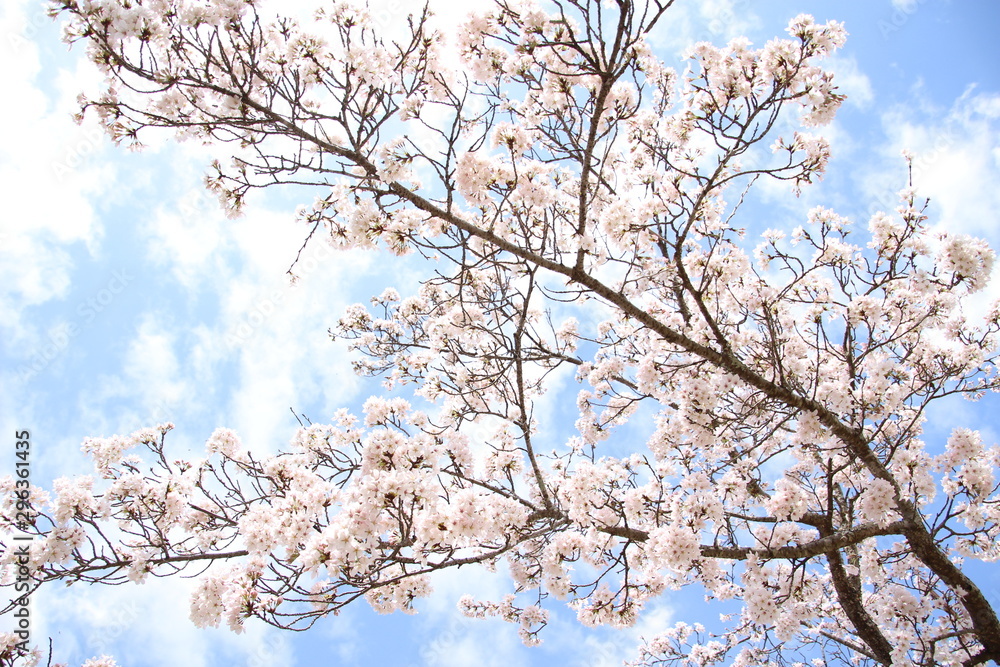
point(47, 205)
point(956, 159)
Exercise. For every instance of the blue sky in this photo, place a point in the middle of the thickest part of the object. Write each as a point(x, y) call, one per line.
point(127, 298)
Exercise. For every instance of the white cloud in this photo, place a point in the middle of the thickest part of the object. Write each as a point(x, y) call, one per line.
point(462, 641)
point(151, 365)
point(581, 646)
point(189, 237)
point(151, 383)
point(46, 192)
point(850, 80)
point(278, 334)
point(956, 162)
point(454, 640)
point(715, 21)
point(90, 621)
point(343, 635)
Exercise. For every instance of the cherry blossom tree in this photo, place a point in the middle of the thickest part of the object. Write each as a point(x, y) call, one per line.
point(750, 411)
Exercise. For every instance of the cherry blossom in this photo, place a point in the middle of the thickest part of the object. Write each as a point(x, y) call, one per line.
point(578, 206)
